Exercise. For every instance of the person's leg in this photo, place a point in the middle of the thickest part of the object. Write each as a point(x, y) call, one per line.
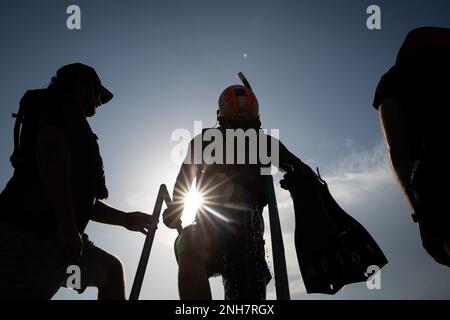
point(102, 270)
point(28, 270)
point(247, 274)
point(193, 275)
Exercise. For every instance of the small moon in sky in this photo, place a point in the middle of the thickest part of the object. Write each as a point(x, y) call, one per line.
point(245, 55)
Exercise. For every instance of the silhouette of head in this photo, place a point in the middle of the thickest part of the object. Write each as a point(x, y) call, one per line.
point(84, 84)
point(238, 108)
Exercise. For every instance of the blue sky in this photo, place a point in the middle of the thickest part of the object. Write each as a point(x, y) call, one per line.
point(313, 66)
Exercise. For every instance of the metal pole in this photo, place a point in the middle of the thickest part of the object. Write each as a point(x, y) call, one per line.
point(279, 259)
point(163, 195)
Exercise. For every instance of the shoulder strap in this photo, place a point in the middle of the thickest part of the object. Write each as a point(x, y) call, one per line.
point(15, 159)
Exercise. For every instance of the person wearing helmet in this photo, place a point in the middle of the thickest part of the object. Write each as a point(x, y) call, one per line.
point(57, 187)
point(412, 99)
point(227, 235)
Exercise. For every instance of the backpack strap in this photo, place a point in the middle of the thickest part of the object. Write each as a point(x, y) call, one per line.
point(15, 159)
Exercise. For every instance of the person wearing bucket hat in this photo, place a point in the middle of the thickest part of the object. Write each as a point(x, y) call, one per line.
point(57, 188)
point(78, 76)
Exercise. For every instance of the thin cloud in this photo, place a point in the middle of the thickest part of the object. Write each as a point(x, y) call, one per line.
point(361, 176)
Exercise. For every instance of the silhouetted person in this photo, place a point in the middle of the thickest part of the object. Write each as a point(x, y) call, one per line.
point(413, 100)
point(56, 189)
point(227, 235)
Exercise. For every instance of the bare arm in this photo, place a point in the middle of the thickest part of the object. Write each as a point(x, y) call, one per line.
point(180, 190)
point(106, 214)
point(396, 133)
point(183, 182)
point(133, 221)
point(288, 161)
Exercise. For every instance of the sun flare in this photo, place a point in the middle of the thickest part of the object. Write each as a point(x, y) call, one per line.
point(193, 201)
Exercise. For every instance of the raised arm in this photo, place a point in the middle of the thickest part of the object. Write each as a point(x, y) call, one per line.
point(392, 115)
point(183, 182)
point(288, 161)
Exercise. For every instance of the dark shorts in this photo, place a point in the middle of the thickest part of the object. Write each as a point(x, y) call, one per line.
point(28, 270)
point(233, 248)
